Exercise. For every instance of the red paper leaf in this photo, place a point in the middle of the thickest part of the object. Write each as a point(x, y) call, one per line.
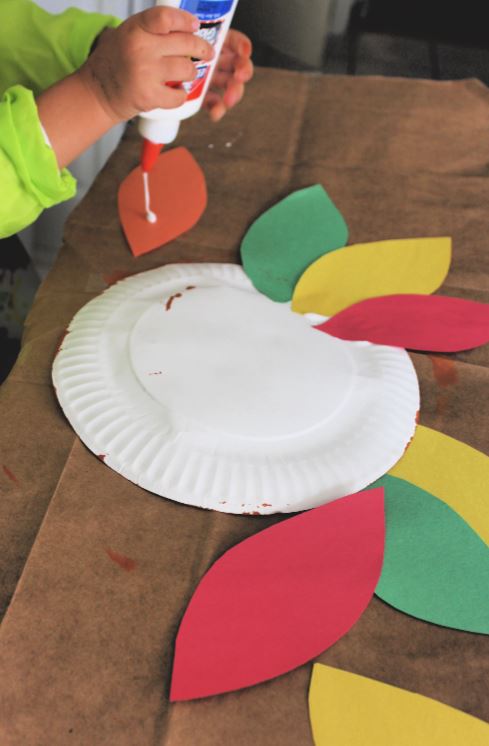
point(178, 198)
point(280, 598)
point(415, 322)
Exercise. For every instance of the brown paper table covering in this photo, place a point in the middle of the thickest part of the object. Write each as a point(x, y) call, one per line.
point(86, 643)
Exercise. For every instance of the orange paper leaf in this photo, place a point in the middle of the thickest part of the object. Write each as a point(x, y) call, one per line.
point(178, 199)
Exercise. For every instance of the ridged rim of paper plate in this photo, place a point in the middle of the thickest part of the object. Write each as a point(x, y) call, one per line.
point(118, 419)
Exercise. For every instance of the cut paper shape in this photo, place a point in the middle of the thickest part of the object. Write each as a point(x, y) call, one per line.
point(451, 471)
point(435, 567)
point(283, 241)
point(178, 198)
point(351, 710)
point(280, 598)
point(415, 322)
point(339, 279)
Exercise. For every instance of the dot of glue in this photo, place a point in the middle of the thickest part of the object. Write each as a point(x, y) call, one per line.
point(151, 217)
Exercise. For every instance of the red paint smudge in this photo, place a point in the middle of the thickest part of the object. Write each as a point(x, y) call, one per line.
point(444, 371)
point(126, 563)
point(102, 456)
point(156, 373)
point(63, 337)
point(446, 375)
point(417, 416)
point(254, 512)
point(115, 276)
point(190, 287)
point(170, 300)
point(10, 475)
point(266, 505)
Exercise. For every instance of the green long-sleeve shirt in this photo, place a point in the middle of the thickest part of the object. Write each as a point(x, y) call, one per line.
point(36, 50)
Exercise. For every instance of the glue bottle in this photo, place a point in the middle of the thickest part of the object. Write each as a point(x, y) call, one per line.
point(160, 126)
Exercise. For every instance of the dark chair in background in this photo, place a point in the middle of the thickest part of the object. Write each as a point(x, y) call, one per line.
point(433, 21)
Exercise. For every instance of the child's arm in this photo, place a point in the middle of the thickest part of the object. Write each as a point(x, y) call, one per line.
point(36, 50)
point(82, 105)
point(125, 75)
point(80, 96)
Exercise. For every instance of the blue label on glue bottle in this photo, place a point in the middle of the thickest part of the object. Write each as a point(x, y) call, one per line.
point(211, 14)
point(207, 10)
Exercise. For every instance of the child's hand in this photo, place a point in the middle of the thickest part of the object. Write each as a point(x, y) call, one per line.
point(131, 64)
point(234, 68)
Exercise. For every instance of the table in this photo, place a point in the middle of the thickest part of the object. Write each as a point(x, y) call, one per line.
point(86, 643)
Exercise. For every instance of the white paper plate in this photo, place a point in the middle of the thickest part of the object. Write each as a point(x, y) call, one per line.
point(198, 388)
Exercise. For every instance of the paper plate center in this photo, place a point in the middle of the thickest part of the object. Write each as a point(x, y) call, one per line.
point(235, 362)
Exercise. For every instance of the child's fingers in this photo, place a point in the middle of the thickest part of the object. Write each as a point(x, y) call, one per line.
point(238, 43)
point(178, 44)
point(177, 69)
point(211, 99)
point(233, 70)
point(221, 79)
point(233, 94)
point(242, 67)
point(217, 105)
point(165, 20)
point(217, 112)
point(244, 70)
point(169, 98)
point(227, 60)
point(214, 104)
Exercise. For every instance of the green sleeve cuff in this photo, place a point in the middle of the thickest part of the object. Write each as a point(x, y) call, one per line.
point(86, 27)
point(30, 177)
point(38, 48)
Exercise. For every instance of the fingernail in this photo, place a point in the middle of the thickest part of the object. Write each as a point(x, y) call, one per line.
point(196, 24)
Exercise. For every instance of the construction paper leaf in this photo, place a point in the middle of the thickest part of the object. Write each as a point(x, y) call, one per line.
point(451, 471)
point(339, 279)
point(283, 241)
point(435, 567)
point(416, 322)
point(280, 598)
point(178, 198)
point(351, 710)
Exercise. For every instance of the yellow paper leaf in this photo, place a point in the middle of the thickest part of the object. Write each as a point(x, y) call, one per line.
point(368, 270)
point(452, 471)
point(351, 710)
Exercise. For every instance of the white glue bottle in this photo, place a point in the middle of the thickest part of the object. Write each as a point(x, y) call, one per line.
point(160, 126)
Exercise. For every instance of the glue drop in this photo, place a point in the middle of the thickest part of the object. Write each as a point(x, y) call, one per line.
point(150, 216)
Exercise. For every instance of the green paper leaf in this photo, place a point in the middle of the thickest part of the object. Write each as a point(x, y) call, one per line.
point(436, 567)
point(286, 239)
